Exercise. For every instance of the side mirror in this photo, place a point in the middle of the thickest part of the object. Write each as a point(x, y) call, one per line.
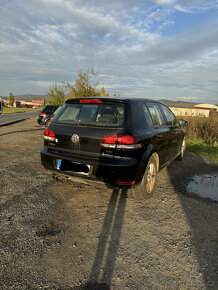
point(183, 123)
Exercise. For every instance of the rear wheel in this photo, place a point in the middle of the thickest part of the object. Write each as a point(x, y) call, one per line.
point(181, 155)
point(146, 188)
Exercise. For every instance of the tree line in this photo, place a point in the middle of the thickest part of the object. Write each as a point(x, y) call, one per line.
point(83, 87)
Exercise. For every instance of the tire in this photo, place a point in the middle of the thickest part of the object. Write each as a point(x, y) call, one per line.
point(181, 155)
point(146, 188)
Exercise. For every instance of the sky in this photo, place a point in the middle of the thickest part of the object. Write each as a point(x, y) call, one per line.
point(158, 49)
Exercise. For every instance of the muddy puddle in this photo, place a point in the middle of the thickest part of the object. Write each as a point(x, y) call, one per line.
point(205, 185)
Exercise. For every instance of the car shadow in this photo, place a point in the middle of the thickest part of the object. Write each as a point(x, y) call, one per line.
point(103, 266)
point(202, 223)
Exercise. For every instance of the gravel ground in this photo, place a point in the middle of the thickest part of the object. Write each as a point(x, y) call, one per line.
point(66, 235)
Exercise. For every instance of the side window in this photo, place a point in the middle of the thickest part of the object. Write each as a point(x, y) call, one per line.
point(171, 119)
point(147, 116)
point(155, 114)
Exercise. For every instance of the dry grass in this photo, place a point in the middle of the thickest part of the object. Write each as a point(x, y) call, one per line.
point(202, 136)
point(203, 128)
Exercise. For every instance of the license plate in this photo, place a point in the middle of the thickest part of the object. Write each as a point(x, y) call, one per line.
point(78, 168)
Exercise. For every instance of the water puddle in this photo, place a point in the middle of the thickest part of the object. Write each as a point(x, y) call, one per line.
point(205, 185)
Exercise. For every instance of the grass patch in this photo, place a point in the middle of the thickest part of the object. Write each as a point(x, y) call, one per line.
point(18, 110)
point(200, 147)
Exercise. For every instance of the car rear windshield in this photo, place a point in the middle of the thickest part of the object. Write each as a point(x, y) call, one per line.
point(50, 109)
point(107, 115)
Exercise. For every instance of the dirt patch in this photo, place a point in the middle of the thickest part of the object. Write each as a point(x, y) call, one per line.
point(48, 230)
point(67, 235)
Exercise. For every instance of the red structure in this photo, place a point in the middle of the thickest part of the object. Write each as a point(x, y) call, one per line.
point(19, 103)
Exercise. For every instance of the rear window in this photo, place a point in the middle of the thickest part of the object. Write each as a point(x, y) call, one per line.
point(107, 115)
point(50, 109)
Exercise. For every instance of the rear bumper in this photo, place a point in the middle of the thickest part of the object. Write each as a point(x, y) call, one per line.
point(111, 171)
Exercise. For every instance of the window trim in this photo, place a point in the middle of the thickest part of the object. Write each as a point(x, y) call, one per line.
point(165, 118)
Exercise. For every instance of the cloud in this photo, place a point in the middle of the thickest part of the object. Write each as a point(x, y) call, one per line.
point(182, 9)
point(46, 41)
point(165, 2)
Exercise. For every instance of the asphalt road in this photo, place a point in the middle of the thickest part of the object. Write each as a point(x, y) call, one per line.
point(66, 235)
point(7, 119)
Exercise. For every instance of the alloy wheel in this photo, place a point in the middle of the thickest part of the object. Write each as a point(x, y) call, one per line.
point(183, 147)
point(151, 177)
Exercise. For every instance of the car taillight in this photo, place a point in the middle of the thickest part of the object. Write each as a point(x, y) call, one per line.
point(42, 114)
point(121, 141)
point(49, 135)
point(125, 182)
point(91, 101)
point(51, 119)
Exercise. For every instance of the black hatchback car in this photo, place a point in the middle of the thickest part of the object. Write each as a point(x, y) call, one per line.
point(122, 142)
point(45, 114)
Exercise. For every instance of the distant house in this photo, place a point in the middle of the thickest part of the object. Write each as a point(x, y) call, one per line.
point(37, 103)
point(196, 112)
point(7, 103)
point(34, 103)
point(207, 106)
point(20, 104)
point(200, 110)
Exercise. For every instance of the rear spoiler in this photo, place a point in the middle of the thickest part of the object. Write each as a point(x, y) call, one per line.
point(95, 100)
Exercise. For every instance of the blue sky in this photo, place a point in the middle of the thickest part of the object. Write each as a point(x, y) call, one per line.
point(154, 49)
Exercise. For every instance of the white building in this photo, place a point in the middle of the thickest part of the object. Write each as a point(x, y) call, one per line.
point(195, 112)
point(207, 106)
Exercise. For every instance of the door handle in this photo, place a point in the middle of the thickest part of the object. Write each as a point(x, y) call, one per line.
point(159, 136)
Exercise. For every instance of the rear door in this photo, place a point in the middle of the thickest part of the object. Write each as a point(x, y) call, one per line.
point(162, 136)
point(175, 129)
